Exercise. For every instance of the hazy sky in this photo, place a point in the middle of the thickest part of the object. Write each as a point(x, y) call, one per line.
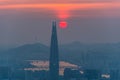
point(89, 21)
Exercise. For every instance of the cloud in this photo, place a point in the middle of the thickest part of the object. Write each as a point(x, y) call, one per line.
point(63, 10)
point(53, 1)
point(63, 6)
point(4, 0)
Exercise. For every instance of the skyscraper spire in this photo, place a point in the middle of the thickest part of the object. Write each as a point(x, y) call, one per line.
point(54, 55)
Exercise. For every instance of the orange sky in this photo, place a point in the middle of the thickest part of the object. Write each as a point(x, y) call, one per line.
point(54, 1)
point(62, 10)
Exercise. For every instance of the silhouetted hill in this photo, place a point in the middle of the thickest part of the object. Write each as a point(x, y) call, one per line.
point(75, 52)
point(28, 52)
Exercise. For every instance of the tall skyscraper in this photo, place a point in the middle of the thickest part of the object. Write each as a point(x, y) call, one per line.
point(54, 55)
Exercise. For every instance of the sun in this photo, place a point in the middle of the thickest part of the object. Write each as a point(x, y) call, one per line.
point(63, 24)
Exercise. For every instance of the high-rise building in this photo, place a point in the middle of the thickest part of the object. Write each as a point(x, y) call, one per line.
point(54, 55)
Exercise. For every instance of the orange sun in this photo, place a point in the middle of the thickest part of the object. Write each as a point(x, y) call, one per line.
point(63, 24)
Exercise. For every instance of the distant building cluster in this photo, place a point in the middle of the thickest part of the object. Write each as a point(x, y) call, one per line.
point(7, 73)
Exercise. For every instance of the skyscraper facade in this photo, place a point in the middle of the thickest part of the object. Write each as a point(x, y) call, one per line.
point(54, 55)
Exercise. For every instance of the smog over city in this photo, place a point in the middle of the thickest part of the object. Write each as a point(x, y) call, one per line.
point(59, 39)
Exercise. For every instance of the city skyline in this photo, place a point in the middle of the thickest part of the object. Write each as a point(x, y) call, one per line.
point(59, 40)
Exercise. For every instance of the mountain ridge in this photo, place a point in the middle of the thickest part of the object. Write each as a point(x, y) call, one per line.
point(76, 53)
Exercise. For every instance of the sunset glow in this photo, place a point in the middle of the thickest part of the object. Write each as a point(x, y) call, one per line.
point(63, 10)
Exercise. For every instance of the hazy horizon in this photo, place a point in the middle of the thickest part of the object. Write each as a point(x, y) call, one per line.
point(30, 21)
